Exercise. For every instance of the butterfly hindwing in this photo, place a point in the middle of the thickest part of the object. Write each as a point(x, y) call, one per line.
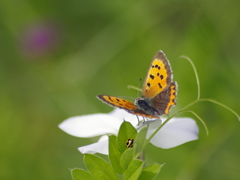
point(159, 76)
point(140, 112)
point(165, 100)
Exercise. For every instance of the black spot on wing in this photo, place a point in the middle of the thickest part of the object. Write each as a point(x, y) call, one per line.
point(159, 84)
point(151, 76)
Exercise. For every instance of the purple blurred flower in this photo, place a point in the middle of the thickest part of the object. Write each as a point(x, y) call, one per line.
point(39, 39)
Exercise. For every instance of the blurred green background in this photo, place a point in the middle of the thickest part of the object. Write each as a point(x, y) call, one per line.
point(56, 56)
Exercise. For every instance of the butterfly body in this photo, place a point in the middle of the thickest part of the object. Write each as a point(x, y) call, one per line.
point(158, 93)
point(146, 106)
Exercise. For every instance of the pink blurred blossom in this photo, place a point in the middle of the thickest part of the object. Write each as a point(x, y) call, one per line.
point(40, 39)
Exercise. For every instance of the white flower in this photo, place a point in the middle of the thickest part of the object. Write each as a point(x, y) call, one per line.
point(175, 132)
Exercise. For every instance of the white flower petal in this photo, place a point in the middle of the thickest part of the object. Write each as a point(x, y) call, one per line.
point(176, 132)
point(152, 124)
point(91, 125)
point(98, 147)
point(103, 138)
point(124, 115)
point(119, 113)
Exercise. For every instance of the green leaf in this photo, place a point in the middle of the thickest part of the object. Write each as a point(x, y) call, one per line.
point(80, 174)
point(126, 132)
point(99, 168)
point(150, 171)
point(139, 142)
point(126, 158)
point(134, 170)
point(114, 154)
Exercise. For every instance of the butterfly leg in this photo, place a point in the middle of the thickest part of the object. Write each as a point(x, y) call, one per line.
point(144, 119)
point(138, 120)
point(147, 119)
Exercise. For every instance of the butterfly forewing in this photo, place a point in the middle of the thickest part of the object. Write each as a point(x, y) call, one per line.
point(158, 77)
point(117, 102)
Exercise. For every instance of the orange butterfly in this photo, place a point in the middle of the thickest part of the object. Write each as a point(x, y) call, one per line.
point(158, 93)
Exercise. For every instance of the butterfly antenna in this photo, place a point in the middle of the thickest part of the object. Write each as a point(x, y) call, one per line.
point(139, 84)
point(125, 97)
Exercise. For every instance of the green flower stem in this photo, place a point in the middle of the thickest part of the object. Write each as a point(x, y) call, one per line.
point(196, 74)
point(184, 110)
point(170, 117)
point(220, 104)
